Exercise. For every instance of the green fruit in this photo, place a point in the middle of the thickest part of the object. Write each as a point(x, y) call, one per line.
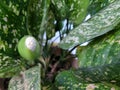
point(29, 48)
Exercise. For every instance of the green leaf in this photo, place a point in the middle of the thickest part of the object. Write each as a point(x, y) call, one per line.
point(15, 20)
point(96, 5)
point(77, 10)
point(73, 10)
point(102, 50)
point(37, 17)
point(12, 28)
point(28, 80)
point(50, 30)
point(101, 23)
point(10, 66)
point(99, 62)
point(102, 78)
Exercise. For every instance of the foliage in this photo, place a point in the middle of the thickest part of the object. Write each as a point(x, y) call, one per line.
point(54, 70)
point(12, 28)
point(25, 82)
point(101, 23)
point(99, 60)
point(96, 5)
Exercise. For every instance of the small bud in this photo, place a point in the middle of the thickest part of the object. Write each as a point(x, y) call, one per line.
point(28, 48)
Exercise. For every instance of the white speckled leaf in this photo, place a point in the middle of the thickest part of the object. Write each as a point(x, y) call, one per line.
point(12, 28)
point(28, 80)
point(37, 16)
point(103, 22)
point(96, 5)
point(99, 65)
point(14, 25)
point(74, 10)
point(90, 78)
point(102, 50)
point(10, 66)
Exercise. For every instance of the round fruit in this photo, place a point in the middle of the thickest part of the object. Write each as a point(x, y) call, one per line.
point(29, 48)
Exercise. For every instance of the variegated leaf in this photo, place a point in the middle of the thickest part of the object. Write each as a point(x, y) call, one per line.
point(37, 17)
point(101, 23)
point(105, 77)
point(73, 10)
point(28, 80)
point(99, 63)
point(102, 50)
point(96, 5)
point(16, 20)
point(12, 28)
